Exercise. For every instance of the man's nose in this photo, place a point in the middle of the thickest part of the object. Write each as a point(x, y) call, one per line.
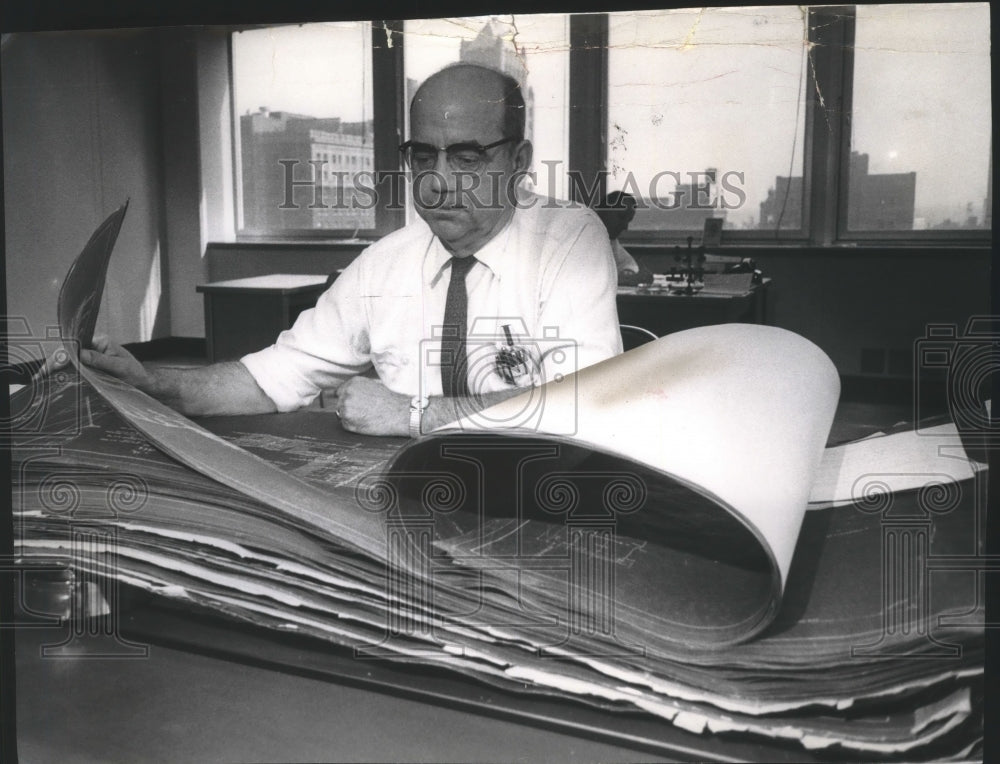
point(441, 163)
point(440, 179)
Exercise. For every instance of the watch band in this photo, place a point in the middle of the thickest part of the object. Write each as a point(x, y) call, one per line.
point(417, 405)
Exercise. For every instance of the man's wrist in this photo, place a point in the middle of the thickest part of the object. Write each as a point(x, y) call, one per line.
point(162, 385)
point(418, 405)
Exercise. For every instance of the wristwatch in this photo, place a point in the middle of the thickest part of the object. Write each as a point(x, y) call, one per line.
point(417, 405)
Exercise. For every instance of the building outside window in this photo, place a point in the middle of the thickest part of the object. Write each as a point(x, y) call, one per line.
point(303, 103)
point(921, 133)
point(706, 116)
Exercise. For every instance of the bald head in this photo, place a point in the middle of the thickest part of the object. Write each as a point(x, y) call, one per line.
point(475, 95)
point(472, 106)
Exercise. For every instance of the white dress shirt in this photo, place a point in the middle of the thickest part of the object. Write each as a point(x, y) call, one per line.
point(548, 276)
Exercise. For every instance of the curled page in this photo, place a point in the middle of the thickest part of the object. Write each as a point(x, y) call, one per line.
point(703, 444)
point(81, 291)
point(179, 437)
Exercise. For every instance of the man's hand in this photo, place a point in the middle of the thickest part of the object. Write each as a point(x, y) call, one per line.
point(117, 361)
point(368, 407)
point(219, 389)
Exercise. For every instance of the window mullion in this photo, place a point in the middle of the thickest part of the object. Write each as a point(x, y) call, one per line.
point(388, 96)
point(588, 103)
point(831, 36)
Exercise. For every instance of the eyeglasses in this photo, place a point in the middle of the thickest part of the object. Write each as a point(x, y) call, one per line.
point(463, 157)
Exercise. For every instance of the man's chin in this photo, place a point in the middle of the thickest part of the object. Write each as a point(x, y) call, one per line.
point(446, 222)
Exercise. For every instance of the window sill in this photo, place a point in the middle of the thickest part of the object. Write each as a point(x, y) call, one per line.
point(302, 245)
point(867, 249)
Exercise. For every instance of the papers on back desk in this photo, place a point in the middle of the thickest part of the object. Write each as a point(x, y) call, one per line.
point(904, 461)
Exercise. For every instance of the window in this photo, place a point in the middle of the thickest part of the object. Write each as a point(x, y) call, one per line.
point(706, 116)
point(532, 49)
point(303, 94)
point(920, 143)
point(815, 125)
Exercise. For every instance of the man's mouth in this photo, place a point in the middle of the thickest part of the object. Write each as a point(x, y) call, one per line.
point(446, 208)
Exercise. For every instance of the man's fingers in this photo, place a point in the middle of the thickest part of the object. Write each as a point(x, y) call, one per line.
point(103, 345)
point(93, 358)
point(108, 363)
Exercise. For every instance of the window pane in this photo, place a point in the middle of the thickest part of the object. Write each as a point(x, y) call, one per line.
point(921, 130)
point(303, 99)
point(533, 49)
point(706, 116)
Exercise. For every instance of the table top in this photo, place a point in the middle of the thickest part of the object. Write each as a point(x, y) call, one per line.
point(175, 705)
point(279, 283)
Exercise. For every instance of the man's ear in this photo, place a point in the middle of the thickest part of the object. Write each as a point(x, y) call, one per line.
point(522, 156)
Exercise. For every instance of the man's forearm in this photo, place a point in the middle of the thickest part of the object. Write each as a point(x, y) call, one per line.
point(219, 389)
point(441, 411)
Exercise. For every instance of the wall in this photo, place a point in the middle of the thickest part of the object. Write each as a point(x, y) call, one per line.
point(850, 304)
point(874, 299)
point(238, 261)
point(181, 178)
point(81, 134)
point(197, 162)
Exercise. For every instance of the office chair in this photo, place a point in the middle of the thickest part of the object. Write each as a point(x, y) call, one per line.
point(634, 336)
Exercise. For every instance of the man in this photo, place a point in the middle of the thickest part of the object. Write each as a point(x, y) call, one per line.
point(483, 254)
point(616, 211)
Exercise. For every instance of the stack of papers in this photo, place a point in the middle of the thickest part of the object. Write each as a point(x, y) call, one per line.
point(851, 662)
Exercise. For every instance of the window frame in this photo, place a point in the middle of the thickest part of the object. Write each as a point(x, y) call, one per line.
point(826, 144)
point(842, 234)
point(750, 237)
point(387, 111)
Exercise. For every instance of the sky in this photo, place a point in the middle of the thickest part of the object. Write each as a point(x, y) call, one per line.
point(320, 70)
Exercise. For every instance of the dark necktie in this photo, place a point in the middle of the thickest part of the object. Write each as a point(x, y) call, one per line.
point(454, 374)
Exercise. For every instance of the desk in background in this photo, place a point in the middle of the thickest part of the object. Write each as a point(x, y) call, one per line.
point(663, 312)
point(244, 315)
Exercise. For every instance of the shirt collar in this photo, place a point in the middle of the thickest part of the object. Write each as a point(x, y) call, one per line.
point(493, 254)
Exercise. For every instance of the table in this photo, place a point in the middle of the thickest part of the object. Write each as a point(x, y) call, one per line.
point(177, 705)
point(208, 688)
point(244, 315)
point(664, 312)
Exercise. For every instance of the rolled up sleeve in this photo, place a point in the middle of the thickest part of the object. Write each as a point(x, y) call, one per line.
point(327, 345)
